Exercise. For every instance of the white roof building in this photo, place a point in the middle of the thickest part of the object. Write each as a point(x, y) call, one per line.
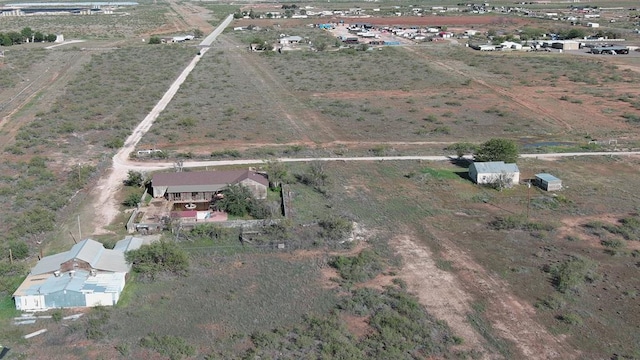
point(87, 275)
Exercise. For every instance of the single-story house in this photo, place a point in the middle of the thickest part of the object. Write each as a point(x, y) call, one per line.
point(491, 171)
point(204, 185)
point(511, 45)
point(85, 276)
point(288, 40)
point(548, 182)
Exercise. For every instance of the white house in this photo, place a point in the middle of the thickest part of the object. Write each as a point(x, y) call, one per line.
point(593, 25)
point(511, 45)
point(87, 275)
point(491, 171)
point(287, 40)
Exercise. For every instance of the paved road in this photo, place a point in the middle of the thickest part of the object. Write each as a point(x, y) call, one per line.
point(212, 37)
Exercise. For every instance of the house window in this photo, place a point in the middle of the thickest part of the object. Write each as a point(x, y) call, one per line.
point(176, 196)
point(194, 195)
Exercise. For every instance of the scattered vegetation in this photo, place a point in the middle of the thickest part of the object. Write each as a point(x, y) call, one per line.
point(173, 347)
point(571, 274)
point(365, 266)
point(162, 257)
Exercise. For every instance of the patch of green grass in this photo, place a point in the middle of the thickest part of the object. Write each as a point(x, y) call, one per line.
point(440, 173)
point(8, 308)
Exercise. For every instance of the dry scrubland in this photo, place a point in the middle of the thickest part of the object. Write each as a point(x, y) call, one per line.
point(299, 100)
point(126, 22)
point(574, 261)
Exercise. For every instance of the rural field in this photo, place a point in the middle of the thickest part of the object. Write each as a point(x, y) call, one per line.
point(377, 259)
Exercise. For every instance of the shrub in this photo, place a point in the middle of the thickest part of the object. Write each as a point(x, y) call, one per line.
point(154, 40)
point(335, 228)
point(172, 346)
point(158, 257)
point(571, 274)
point(131, 200)
point(552, 302)
point(570, 319)
point(366, 265)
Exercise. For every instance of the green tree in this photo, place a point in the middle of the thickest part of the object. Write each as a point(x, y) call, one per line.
point(277, 173)
point(158, 257)
point(321, 46)
point(131, 200)
point(135, 178)
point(51, 37)
point(198, 33)
point(26, 33)
point(462, 148)
point(239, 201)
point(315, 175)
point(38, 36)
point(154, 40)
point(497, 150)
point(16, 37)
point(5, 40)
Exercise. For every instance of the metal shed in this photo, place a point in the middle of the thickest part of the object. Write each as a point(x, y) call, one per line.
point(548, 182)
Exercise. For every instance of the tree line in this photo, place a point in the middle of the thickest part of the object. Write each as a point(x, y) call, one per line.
point(25, 35)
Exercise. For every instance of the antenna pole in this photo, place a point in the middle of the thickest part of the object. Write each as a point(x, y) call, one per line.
point(73, 237)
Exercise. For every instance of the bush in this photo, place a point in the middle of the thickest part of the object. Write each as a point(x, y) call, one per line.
point(366, 265)
point(159, 257)
point(154, 40)
point(570, 319)
point(335, 228)
point(571, 274)
point(172, 346)
point(132, 200)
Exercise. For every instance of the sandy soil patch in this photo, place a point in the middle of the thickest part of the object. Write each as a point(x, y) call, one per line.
point(440, 291)
point(511, 317)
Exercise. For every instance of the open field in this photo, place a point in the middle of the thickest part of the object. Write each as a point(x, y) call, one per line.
point(441, 269)
point(305, 100)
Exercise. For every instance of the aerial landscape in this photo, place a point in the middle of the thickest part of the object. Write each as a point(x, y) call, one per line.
point(203, 179)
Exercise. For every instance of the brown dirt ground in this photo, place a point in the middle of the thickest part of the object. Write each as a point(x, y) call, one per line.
point(511, 317)
point(572, 226)
point(439, 291)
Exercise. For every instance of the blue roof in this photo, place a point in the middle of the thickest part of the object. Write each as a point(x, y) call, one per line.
point(495, 167)
point(81, 281)
point(547, 177)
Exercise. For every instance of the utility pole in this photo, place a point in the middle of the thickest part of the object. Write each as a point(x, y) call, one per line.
point(528, 198)
point(10, 256)
point(79, 229)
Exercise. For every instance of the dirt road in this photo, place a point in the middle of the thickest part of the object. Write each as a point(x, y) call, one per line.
point(106, 207)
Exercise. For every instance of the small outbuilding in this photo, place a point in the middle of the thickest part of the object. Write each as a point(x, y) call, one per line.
point(548, 182)
point(491, 172)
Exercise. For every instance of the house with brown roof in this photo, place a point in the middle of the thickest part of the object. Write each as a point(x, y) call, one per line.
point(204, 185)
